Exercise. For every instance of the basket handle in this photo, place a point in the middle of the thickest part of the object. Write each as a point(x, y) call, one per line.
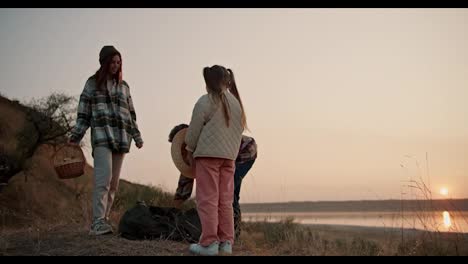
point(75, 146)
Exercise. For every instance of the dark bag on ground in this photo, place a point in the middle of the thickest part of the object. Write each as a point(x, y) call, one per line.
point(150, 222)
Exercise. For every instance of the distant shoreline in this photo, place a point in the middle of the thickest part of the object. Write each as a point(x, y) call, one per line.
point(378, 229)
point(369, 231)
point(460, 205)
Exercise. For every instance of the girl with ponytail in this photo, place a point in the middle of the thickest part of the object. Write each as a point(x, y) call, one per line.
point(213, 139)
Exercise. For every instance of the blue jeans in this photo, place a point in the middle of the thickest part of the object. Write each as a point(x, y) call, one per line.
point(241, 171)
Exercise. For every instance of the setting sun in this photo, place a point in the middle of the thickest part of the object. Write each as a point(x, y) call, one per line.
point(444, 191)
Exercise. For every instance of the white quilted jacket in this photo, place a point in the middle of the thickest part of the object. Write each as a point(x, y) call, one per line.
point(208, 135)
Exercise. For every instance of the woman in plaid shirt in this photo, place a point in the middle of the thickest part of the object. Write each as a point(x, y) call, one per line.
point(107, 107)
point(245, 159)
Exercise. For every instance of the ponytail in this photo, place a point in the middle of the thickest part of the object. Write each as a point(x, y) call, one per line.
point(235, 92)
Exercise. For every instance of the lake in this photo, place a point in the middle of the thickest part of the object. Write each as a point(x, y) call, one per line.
point(441, 221)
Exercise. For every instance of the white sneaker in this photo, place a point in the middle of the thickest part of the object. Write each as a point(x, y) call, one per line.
point(225, 248)
point(100, 228)
point(211, 250)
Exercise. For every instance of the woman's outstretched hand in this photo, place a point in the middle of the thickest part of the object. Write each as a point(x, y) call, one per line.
point(139, 145)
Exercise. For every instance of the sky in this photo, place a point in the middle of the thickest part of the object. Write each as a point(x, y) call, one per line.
point(345, 104)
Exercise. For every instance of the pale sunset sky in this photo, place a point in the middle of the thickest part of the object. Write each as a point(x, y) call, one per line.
point(342, 102)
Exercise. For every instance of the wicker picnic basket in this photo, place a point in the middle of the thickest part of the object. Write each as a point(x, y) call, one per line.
point(69, 161)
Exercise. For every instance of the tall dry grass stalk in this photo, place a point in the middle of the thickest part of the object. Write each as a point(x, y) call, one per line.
point(433, 239)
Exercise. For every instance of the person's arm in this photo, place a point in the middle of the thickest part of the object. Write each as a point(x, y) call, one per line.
point(83, 117)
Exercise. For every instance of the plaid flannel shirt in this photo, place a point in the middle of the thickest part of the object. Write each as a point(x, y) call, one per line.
point(247, 151)
point(111, 116)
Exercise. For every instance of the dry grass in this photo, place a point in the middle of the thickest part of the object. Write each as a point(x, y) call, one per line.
point(13, 121)
point(288, 238)
point(435, 241)
point(73, 240)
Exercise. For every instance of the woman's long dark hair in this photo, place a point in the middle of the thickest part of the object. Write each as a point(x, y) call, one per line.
point(101, 75)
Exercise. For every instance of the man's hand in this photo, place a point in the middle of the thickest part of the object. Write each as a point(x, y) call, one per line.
point(139, 145)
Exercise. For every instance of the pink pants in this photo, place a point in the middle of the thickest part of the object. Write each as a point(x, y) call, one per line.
point(214, 196)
